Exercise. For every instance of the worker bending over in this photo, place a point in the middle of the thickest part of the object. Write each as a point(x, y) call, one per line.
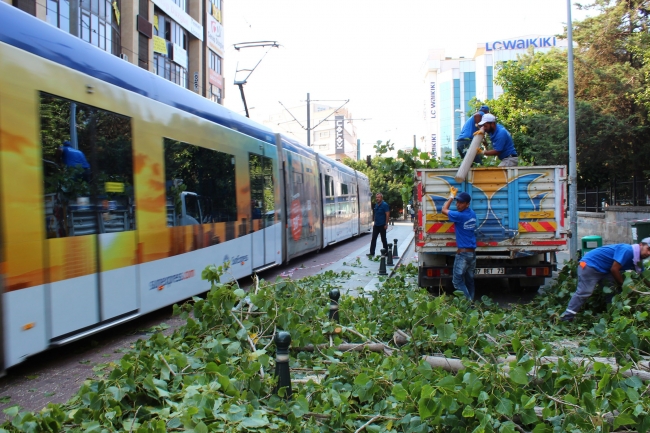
point(606, 263)
point(502, 145)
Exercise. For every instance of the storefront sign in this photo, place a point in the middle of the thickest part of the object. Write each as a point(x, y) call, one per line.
point(159, 45)
point(520, 44)
point(216, 79)
point(180, 56)
point(215, 35)
point(339, 131)
point(433, 99)
point(181, 17)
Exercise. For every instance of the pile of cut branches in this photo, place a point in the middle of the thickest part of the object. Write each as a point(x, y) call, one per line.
point(399, 361)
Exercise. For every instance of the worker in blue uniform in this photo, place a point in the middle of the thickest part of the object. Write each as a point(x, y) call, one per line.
point(606, 263)
point(502, 145)
point(464, 220)
point(467, 134)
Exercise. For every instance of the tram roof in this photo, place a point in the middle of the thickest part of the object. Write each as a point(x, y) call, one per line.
point(30, 34)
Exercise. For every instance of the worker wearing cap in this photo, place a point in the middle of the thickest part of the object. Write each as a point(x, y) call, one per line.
point(502, 145)
point(606, 263)
point(464, 140)
point(464, 220)
point(484, 109)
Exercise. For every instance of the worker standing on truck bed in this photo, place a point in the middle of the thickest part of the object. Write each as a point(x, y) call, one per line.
point(502, 145)
point(605, 263)
point(464, 220)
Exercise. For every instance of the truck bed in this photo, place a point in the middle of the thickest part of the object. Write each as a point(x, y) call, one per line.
point(519, 210)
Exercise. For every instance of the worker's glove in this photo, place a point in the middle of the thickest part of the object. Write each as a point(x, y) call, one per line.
point(452, 192)
point(480, 151)
point(479, 132)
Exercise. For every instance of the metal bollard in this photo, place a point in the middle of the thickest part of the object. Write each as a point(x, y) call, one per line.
point(282, 343)
point(334, 304)
point(382, 263)
point(389, 256)
point(395, 255)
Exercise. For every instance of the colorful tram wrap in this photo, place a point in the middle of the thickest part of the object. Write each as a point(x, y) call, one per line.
point(172, 183)
point(520, 223)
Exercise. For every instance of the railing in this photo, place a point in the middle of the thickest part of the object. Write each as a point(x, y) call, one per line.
point(633, 192)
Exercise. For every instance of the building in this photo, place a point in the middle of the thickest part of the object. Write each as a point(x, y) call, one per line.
point(450, 83)
point(180, 40)
point(333, 132)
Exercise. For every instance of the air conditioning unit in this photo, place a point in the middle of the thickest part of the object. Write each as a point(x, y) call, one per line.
point(124, 57)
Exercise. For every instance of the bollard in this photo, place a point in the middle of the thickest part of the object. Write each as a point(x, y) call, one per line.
point(395, 255)
point(382, 263)
point(389, 256)
point(282, 343)
point(334, 304)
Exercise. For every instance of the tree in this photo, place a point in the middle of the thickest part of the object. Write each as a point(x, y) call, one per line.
point(612, 69)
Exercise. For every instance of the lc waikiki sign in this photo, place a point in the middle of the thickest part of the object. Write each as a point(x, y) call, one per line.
point(523, 43)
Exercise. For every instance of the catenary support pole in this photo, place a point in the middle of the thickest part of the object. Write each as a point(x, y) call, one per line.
point(308, 122)
point(573, 171)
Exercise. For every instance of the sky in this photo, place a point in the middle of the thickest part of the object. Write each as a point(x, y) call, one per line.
point(371, 52)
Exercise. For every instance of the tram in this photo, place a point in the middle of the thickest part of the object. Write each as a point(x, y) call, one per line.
point(171, 183)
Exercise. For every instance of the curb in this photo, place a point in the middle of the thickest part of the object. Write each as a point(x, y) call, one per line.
point(399, 260)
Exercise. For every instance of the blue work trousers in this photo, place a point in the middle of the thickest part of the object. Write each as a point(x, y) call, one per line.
point(462, 145)
point(463, 278)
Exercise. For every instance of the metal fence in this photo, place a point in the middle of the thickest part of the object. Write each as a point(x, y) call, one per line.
point(631, 192)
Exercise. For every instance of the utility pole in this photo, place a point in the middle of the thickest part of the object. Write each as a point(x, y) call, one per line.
point(308, 122)
point(309, 128)
point(573, 170)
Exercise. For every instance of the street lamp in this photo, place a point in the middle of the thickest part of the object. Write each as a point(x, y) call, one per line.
point(462, 115)
point(573, 170)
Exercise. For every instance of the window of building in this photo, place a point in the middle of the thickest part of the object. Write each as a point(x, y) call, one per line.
point(173, 33)
point(324, 134)
point(469, 88)
point(215, 62)
point(28, 6)
point(58, 14)
point(489, 75)
point(183, 4)
point(87, 174)
point(98, 25)
point(200, 184)
point(457, 125)
point(215, 94)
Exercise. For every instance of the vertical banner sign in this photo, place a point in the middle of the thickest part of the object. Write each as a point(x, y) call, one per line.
point(340, 143)
point(196, 82)
point(434, 144)
point(433, 100)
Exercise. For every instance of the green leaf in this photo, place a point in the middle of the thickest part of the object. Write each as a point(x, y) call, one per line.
point(519, 375)
point(362, 379)
point(239, 293)
point(200, 428)
point(399, 392)
point(623, 419)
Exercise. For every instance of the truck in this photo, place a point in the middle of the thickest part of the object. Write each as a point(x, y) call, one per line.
point(520, 223)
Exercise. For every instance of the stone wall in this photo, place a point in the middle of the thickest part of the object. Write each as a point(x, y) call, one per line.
point(613, 225)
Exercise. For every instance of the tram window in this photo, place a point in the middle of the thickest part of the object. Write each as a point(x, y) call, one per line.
point(206, 176)
point(344, 189)
point(329, 186)
point(88, 180)
point(262, 196)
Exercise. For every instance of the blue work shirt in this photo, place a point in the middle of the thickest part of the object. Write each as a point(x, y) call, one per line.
point(464, 225)
point(468, 129)
point(502, 142)
point(73, 157)
point(380, 213)
point(602, 258)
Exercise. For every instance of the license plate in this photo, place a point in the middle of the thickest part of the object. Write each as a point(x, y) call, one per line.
point(489, 271)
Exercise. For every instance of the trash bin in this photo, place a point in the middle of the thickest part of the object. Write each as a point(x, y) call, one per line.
point(640, 230)
point(590, 243)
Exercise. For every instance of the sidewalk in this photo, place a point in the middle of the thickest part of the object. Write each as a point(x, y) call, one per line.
point(365, 279)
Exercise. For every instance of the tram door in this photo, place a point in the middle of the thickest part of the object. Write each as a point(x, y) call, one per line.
point(262, 208)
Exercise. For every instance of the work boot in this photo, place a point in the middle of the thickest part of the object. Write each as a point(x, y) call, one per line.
point(567, 317)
